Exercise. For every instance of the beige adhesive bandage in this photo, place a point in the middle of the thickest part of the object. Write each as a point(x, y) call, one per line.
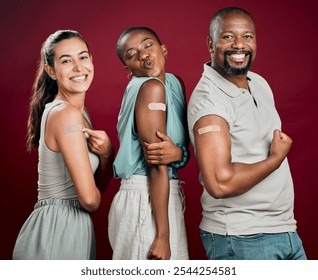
point(209, 128)
point(73, 128)
point(157, 106)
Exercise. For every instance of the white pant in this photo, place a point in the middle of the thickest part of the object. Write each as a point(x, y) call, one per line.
point(131, 225)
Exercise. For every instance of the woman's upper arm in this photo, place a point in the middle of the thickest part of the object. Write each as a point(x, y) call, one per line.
point(150, 111)
point(72, 145)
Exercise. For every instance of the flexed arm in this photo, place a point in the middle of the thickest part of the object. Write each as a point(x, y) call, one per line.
point(222, 177)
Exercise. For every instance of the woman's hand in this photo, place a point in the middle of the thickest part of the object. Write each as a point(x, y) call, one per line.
point(162, 153)
point(160, 249)
point(99, 142)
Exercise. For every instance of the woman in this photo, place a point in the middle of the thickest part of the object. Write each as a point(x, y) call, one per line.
point(60, 227)
point(146, 216)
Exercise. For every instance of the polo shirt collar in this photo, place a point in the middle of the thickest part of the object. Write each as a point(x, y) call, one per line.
point(223, 84)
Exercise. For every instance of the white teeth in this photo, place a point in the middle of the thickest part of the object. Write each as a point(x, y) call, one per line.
point(238, 56)
point(80, 78)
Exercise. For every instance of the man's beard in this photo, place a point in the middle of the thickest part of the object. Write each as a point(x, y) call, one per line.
point(237, 71)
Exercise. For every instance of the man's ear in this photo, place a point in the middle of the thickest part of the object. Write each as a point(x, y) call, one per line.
point(209, 43)
point(164, 50)
point(50, 71)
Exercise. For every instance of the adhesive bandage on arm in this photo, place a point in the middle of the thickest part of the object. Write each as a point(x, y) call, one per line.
point(73, 128)
point(209, 128)
point(157, 106)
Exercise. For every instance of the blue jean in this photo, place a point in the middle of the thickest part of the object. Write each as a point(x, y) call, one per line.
point(261, 246)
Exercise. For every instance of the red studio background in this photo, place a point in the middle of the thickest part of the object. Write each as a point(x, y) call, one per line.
point(286, 37)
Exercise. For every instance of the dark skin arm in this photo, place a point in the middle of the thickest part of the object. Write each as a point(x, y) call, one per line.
point(165, 151)
point(147, 123)
point(223, 178)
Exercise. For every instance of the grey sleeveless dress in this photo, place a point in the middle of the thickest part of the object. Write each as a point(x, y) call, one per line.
point(59, 227)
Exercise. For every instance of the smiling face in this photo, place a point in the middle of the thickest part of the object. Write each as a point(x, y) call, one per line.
point(233, 46)
point(73, 67)
point(143, 55)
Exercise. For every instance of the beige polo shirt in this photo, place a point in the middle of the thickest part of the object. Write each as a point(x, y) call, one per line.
point(252, 118)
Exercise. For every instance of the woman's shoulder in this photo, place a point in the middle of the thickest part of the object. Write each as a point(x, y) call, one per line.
point(152, 88)
point(65, 112)
point(144, 83)
point(139, 81)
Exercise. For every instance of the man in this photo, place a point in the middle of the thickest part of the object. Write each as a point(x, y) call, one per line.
point(234, 127)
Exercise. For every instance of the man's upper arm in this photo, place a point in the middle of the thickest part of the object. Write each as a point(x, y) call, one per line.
point(213, 148)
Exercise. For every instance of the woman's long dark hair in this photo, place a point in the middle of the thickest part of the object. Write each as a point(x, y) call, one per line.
point(44, 87)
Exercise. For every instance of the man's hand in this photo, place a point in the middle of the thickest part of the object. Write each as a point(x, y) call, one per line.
point(280, 147)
